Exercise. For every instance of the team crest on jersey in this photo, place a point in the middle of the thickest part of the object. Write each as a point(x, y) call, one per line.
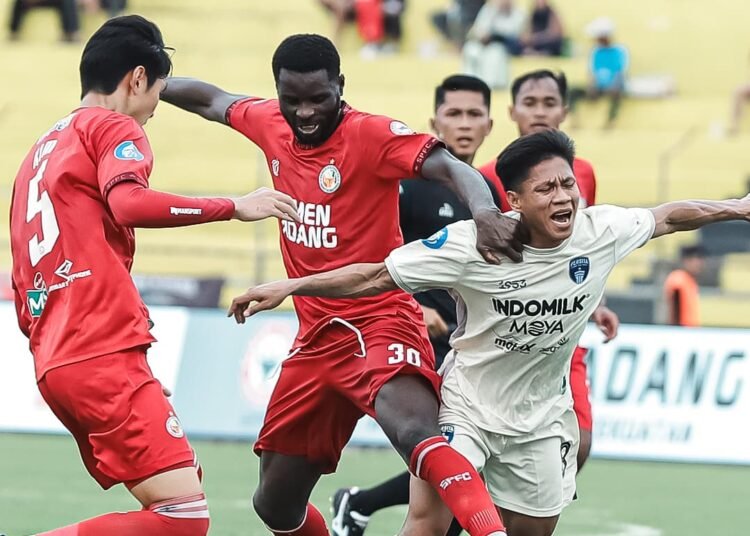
point(174, 427)
point(275, 165)
point(437, 240)
point(448, 431)
point(578, 269)
point(128, 151)
point(329, 178)
point(400, 129)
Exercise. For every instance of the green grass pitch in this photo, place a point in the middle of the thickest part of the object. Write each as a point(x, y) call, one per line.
point(43, 485)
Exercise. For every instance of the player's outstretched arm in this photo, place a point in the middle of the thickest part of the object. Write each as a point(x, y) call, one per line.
point(694, 214)
point(198, 97)
point(353, 281)
point(497, 235)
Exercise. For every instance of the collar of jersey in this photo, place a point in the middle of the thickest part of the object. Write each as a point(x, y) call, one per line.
point(345, 108)
point(549, 251)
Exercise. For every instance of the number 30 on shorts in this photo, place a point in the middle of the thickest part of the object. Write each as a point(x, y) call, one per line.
point(401, 354)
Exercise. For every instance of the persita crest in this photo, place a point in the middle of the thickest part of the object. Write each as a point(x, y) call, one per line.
point(578, 269)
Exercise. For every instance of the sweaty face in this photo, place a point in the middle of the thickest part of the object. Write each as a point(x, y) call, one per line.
point(462, 122)
point(310, 103)
point(538, 106)
point(548, 201)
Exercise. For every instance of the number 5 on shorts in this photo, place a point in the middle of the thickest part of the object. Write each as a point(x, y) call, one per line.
point(411, 355)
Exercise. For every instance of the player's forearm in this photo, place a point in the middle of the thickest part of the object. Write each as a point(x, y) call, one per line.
point(694, 214)
point(353, 281)
point(198, 97)
point(464, 180)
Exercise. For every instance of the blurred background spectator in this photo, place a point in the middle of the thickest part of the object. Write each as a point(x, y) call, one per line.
point(491, 40)
point(455, 21)
point(681, 294)
point(112, 7)
point(378, 23)
point(67, 9)
point(740, 96)
point(608, 67)
point(544, 36)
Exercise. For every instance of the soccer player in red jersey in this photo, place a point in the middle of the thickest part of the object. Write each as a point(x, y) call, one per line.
point(77, 196)
point(350, 357)
point(539, 103)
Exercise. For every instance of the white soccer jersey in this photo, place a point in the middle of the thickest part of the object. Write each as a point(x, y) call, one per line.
point(519, 323)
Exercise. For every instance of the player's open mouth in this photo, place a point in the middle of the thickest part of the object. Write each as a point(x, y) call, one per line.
point(540, 125)
point(464, 139)
point(562, 217)
point(307, 130)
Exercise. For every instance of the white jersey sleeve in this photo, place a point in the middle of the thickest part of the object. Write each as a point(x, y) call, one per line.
point(631, 227)
point(435, 262)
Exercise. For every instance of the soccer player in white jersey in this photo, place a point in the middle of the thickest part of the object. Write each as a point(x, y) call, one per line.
point(506, 402)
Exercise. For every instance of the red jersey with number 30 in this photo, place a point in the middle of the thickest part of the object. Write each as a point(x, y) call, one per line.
point(582, 170)
point(74, 294)
point(347, 194)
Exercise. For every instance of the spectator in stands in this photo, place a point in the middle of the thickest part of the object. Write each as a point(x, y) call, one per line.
point(608, 70)
point(66, 8)
point(112, 7)
point(454, 22)
point(343, 13)
point(378, 23)
point(492, 39)
point(681, 294)
point(740, 96)
point(544, 36)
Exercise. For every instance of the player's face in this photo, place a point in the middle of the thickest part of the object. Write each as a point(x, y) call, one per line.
point(310, 103)
point(539, 106)
point(462, 122)
point(144, 99)
point(548, 201)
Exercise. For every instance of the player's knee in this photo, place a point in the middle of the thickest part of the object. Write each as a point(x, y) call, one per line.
point(275, 514)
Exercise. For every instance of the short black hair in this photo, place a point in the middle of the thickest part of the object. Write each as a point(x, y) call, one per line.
point(118, 47)
point(515, 162)
point(306, 53)
point(540, 74)
point(693, 251)
point(462, 82)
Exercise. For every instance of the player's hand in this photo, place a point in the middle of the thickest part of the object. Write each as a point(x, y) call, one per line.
point(499, 235)
point(436, 326)
point(265, 297)
point(607, 321)
point(265, 203)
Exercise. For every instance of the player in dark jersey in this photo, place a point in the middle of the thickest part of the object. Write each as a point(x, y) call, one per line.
point(539, 103)
point(462, 121)
point(77, 196)
point(350, 357)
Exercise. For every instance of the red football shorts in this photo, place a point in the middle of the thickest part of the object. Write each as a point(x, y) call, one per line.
point(125, 427)
point(579, 387)
point(326, 386)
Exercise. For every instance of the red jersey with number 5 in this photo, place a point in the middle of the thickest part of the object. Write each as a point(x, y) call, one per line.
point(74, 295)
point(347, 194)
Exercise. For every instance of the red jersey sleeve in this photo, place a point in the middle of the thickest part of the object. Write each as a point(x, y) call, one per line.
point(586, 179)
point(250, 117)
point(394, 150)
point(121, 152)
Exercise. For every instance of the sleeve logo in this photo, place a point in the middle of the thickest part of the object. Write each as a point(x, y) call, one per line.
point(437, 240)
point(128, 151)
point(400, 129)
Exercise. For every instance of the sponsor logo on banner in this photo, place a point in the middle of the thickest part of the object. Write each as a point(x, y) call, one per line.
point(262, 361)
point(437, 240)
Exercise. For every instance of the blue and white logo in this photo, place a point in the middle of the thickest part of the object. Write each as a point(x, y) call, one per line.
point(437, 240)
point(578, 269)
point(128, 151)
point(448, 431)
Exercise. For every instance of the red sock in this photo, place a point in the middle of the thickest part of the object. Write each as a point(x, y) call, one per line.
point(185, 516)
point(313, 525)
point(458, 484)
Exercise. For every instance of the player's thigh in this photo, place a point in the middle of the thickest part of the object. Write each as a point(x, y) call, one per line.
point(120, 416)
point(172, 484)
point(522, 525)
point(427, 515)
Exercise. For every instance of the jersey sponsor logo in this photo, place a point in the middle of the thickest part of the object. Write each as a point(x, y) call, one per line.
point(36, 299)
point(536, 328)
point(182, 211)
point(400, 129)
point(448, 431)
point(555, 306)
point(446, 211)
point(511, 285)
point(455, 478)
point(63, 272)
point(128, 151)
point(329, 179)
point(315, 231)
point(275, 166)
point(578, 269)
point(174, 427)
point(512, 345)
point(437, 240)
point(549, 350)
